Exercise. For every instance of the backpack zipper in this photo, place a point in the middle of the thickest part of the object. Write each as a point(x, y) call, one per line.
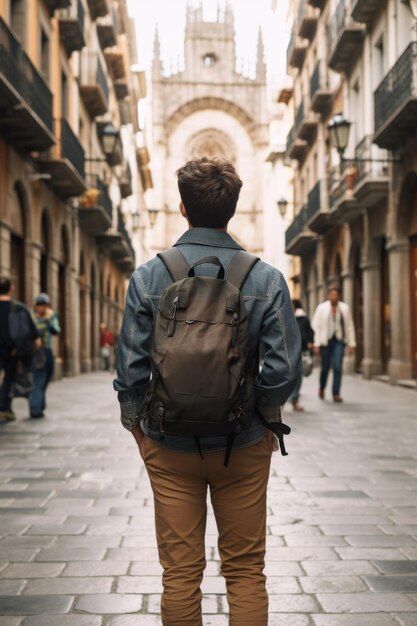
point(171, 324)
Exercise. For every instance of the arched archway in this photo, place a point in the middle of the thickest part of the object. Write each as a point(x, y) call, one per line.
point(63, 290)
point(46, 238)
point(93, 315)
point(357, 312)
point(82, 281)
point(17, 241)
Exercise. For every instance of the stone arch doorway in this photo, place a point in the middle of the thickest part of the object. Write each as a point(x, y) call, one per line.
point(63, 291)
point(385, 306)
point(407, 236)
point(17, 242)
point(82, 281)
point(93, 316)
point(357, 312)
point(45, 241)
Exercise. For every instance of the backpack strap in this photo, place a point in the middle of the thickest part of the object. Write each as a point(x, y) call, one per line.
point(239, 267)
point(175, 263)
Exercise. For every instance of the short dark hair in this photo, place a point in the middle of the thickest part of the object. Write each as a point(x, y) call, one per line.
point(296, 304)
point(5, 285)
point(209, 190)
point(334, 287)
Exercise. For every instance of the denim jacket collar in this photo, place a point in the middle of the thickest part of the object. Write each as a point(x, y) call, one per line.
point(208, 237)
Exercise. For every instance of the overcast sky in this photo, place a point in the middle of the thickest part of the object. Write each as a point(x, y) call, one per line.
point(249, 16)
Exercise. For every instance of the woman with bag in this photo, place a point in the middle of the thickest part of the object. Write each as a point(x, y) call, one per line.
point(307, 339)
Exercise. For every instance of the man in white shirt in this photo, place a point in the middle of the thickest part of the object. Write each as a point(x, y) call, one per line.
point(333, 330)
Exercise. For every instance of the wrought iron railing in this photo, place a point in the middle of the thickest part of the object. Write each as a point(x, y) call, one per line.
point(121, 227)
point(337, 24)
point(71, 148)
point(74, 11)
point(398, 85)
point(92, 72)
point(318, 80)
point(314, 200)
point(20, 72)
point(368, 159)
point(297, 226)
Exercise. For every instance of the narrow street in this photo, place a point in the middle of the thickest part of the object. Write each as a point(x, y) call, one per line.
point(77, 544)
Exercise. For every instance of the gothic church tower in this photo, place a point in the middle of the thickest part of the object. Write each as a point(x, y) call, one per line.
point(209, 109)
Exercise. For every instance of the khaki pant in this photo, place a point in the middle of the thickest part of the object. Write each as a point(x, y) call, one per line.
point(179, 482)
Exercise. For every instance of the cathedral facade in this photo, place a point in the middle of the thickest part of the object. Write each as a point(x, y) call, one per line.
point(209, 108)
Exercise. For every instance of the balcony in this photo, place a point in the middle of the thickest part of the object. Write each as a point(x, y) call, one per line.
point(94, 89)
point(118, 246)
point(71, 27)
point(307, 20)
point(95, 211)
point(125, 181)
point(107, 30)
point(65, 162)
point(371, 184)
point(344, 39)
point(365, 10)
point(25, 98)
point(302, 133)
point(321, 96)
point(298, 238)
point(98, 8)
point(318, 214)
point(395, 102)
point(343, 204)
point(296, 51)
point(115, 62)
point(121, 89)
point(125, 110)
point(53, 5)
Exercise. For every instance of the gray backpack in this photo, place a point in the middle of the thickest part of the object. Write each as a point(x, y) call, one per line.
point(200, 385)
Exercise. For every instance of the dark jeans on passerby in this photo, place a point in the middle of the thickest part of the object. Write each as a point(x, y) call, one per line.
point(295, 395)
point(41, 379)
point(8, 364)
point(332, 354)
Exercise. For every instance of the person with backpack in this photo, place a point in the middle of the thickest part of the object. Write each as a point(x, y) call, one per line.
point(203, 407)
point(19, 339)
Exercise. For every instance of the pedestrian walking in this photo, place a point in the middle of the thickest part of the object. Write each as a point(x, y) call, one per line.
point(181, 466)
point(106, 345)
point(307, 337)
point(19, 339)
point(333, 330)
point(43, 365)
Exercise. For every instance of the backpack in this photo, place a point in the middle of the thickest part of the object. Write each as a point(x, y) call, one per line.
point(200, 384)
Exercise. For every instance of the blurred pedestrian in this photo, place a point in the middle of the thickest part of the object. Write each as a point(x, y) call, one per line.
point(19, 339)
point(106, 344)
point(307, 337)
point(333, 330)
point(47, 323)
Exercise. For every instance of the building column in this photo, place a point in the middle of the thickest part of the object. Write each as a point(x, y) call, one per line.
point(54, 295)
point(347, 287)
point(4, 249)
point(399, 366)
point(372, 362)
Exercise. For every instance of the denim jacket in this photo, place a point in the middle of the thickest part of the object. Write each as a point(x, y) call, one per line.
point(273, 332)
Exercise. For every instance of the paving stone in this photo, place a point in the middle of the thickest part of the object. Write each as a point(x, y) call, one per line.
point(374, 619)
point(384, 541)
point(63, 620)
point(338, 568)
point(109, 603)
point(71, 554)
point(366, 602)
point(32, 570)
point(343, 530)
point(139, 620)
point(332, 584)
point(10, 621)
point(368, 553)
point(27, 542)
point(72, 586)
point(314, 541)
point(35, 605)
point(406, 584)
point(97, 568)
point(25, 555)
point(11, 587)
point(406, 619)
point(147, 584)
point(292, 603)
point(57, 529)
point(288, 619)
point(396, 567)
point(282, 584)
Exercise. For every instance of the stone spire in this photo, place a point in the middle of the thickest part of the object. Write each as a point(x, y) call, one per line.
point(260, 58)
point(156, 61)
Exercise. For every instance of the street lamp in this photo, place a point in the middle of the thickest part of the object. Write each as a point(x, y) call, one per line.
point(107, 136)
point(153, 214)
point(282, 205)
point(339, 128)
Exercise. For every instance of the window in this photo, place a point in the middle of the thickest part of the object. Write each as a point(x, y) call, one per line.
point(379, 61)
point(64, 95)
point(45, 55)
point(209, 59)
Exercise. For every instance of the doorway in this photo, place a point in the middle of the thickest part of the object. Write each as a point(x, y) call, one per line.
point(413, 274)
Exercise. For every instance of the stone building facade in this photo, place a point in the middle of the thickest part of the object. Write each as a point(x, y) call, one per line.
point(210, 108)
point(65, 203)
point(355, 221)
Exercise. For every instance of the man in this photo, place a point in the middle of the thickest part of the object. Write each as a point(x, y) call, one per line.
point(18, 338)
point(47, 323)
point(179, 475)
point(106, 344)
point(333, 330)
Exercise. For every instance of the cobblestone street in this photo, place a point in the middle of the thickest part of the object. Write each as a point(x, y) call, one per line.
point(77, 543)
